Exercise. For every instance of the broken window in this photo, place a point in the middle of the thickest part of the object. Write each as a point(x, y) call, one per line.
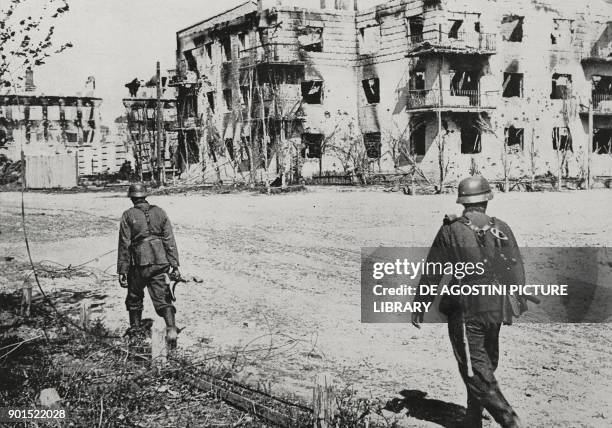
point(512, 28)
point(463, 80)
point(72, 136)
point(312, 144)
point(312, 91)
point(208, 48)
point(243, 41)
point(244, 94)
point(470, 140)
point(415, 29)
point(210, 97)
point(310, 39)
point(561, 86)
point(563, 32)
point(371, 89)
point(88, 135)
point(602, 141)
point(514, 139)
point(227, 97)
point(602, 92)
point(417, 141)
point(229, 146)
point(226, 47)
point(454, 33)
point(372, 144)
point(192, 65)
point(416, 81)
point(513, 85)
point(562, 139)
point(370, 39)
point(3, 137)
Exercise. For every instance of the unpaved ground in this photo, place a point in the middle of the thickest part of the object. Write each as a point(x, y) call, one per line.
point(281, 290)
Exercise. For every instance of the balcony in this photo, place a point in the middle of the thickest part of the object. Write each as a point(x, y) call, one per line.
point(602, 105)
point(438, 42)
point(271, 53)
point(451, 100)
point(596, 54)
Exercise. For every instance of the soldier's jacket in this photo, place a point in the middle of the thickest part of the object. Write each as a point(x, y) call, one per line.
point(141, 246)
point(458, 241)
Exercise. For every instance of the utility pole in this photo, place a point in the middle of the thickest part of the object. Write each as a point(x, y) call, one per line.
point(589, 147)
point(158, 125)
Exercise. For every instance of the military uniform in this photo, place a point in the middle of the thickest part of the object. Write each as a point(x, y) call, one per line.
point(474, 321)
point(147, 250)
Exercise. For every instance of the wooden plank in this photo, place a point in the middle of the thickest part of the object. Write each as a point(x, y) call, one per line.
point(51, 171)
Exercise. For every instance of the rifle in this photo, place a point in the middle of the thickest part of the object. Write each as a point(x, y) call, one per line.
point(173, 279)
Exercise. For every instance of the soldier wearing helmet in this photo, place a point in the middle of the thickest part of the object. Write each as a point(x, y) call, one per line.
point(147, 254)
point(474, 322)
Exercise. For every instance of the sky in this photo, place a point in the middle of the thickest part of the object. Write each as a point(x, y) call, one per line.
point(116, 41)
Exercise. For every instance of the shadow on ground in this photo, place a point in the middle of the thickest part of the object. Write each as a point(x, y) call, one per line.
point(440, 412)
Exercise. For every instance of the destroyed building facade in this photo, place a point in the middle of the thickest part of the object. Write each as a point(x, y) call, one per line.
point(443, 87)
point(40, 124)
point(139, 126)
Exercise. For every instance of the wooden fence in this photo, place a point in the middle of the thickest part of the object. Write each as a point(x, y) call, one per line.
point(50, 171)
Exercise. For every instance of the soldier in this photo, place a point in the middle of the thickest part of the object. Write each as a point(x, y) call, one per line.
point(147, 255)
point(474, 322)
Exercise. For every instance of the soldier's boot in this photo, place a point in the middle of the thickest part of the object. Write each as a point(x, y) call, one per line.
point(135, 323)
point(171, 330)
point(514, 422)
point(473, 415)
point(135, 319)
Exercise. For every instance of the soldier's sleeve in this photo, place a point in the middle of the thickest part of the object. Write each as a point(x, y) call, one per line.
point(517, 272)
point(123, 252)
point(169, 242)
point(437, 254)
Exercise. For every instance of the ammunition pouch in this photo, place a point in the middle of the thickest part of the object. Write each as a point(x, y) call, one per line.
point(149, 251)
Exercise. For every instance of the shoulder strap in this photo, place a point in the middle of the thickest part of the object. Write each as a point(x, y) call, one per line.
point(145, 211)
point(480, 232)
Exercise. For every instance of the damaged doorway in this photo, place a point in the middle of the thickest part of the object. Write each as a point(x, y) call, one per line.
point(602, 141)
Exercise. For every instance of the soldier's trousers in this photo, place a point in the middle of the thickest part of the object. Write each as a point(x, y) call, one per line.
point(153, 278)
point(482, 388)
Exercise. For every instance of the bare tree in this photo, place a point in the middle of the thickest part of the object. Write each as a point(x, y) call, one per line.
point(400, 149)
point(346, 142)
point(27, 40)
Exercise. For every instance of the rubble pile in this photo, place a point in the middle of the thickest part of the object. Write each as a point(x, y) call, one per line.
point(10, 172)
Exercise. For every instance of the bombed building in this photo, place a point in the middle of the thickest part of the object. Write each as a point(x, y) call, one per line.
point(440, 88)
point(40, 124)
point(140, 130)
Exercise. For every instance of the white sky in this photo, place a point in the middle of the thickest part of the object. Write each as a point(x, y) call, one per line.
point(116, 41)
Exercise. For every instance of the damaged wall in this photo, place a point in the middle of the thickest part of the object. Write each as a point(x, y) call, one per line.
point(355, 53)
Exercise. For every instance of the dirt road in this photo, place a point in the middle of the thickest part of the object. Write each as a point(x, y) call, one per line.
point(281, 290)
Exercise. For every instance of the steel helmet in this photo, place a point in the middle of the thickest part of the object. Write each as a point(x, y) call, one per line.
point(474, 189)
point(137, 190)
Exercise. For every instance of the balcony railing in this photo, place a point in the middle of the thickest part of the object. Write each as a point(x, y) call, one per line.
point(467, 42)
point(280, 53)
point(602, 103)
point(596, 53)
point(453, 99)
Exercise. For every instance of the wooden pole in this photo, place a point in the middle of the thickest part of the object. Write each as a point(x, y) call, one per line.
point(159, 349)
point(85, 314)
point(158, 125)
point(589, 148)
point(26, 301)
point(324, 405)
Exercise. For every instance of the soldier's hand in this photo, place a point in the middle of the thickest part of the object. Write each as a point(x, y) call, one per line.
point(417, 319)
point(123, 280)
point(175, 274)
